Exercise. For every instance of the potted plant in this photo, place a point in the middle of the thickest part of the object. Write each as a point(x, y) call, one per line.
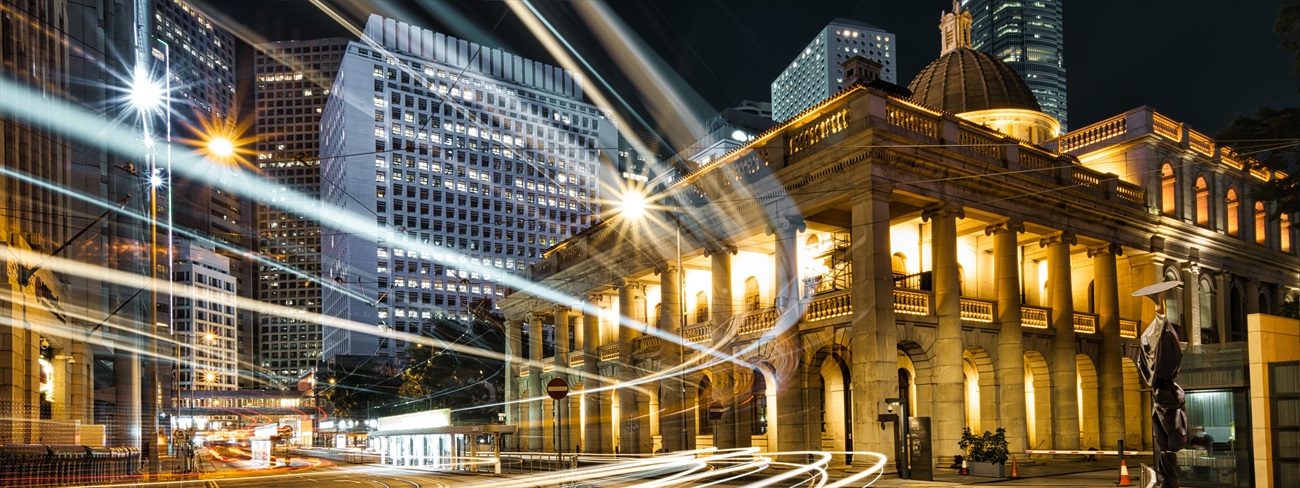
point(986, 454)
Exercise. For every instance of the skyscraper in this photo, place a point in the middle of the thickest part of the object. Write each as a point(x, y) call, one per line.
point(204, 324)
point(1030, 37)
point(816, 72)
point(465, 162)
point(293, 80)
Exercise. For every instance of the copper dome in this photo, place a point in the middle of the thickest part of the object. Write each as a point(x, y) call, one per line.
point(966, 80)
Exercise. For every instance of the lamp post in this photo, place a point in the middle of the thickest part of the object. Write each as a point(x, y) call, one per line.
point(635, 206)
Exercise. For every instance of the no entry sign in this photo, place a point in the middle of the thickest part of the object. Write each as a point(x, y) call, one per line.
point(557, 388)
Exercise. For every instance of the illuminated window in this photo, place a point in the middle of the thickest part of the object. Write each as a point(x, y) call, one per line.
point(1168, 190)
point(1284, 241)
point(701, 307)
point(1202, 202)
point(1234, 212)
point(1261, 230)
point(751, 294)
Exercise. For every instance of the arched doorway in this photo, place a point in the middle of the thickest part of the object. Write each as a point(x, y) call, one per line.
point(836, 406)
point(980, 390)
point(1038, 400)
point(703, 398)
point(1137, 418)
point(1089, 407)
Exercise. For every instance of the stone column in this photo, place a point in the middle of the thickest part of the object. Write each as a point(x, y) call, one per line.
point(1010, 365)
point(536, 407)
point(873, 342)
point(1189, 324)
point(596, 431)
point(789, 415)
point(670, 386)
point(1251, 295)
point(566, 439)
point(514, 350)
point(627, 396)
point(1110, 367)
point(742, 379)
point(724, 431)
point(1064, 366)
point(948, 391)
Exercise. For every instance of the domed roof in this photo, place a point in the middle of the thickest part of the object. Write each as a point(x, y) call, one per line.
point(966, 80)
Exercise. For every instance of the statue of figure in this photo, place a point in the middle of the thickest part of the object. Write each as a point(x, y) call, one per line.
point(1159, 361)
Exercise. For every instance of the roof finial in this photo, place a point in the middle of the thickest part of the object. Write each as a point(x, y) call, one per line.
point(954, 27)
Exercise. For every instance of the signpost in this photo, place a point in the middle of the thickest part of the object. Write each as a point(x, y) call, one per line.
point(557, 389)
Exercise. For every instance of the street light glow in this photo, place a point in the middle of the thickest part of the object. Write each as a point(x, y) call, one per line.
point(145, 94)
point(633, 205)
point(221, 147)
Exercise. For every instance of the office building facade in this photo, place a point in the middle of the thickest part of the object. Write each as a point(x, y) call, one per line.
point(203, 319)
point(817, 72)
point(1030, 38)
point(461, 163)
point(293, 80)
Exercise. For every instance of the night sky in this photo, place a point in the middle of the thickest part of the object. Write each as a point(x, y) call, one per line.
point(1198, 61)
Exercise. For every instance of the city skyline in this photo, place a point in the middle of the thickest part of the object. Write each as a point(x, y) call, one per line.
point(1116, 55)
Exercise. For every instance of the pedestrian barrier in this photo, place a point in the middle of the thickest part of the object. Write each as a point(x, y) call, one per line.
point(42, 465)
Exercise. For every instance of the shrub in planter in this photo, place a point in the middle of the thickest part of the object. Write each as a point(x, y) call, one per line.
point(988, 448)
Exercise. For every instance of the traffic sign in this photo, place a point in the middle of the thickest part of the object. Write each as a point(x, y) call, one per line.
point(715, 410)
point(557, 388)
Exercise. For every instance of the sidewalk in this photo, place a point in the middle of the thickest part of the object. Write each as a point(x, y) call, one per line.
point(1040, 474)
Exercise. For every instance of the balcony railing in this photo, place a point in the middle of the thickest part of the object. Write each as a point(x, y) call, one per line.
point(911, 302)
point(758, 321)
point(699, 333)
point(577, 359)
point(548, 364)
point(523, 371)
point(825, 307)
point(1033, 317)
point(646, 344)
point(1128, 328)
point(976, 310)
point(608, 352)
point(1085, 323)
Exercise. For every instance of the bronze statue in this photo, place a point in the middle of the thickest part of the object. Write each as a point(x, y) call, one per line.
point(1158, 362)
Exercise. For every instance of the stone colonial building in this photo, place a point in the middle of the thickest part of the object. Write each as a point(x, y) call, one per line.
point(877, 246)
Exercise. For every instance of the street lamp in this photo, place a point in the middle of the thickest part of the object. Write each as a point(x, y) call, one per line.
point(634, 206)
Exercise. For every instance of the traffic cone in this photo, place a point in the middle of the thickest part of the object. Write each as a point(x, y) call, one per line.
point(964, 468)
point(1015, 469)
point(1123, 474)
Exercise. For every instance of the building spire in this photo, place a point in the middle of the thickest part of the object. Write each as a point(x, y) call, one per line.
point(954, 27)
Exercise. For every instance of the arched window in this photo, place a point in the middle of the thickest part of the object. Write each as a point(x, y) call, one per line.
point(1261, 227)
point(659, 309)
point(1168, 190)
point(1209, 333)
point(758, 394)
point(701, 307)
point(751, 294)
point(1234, 213)
point(1284, 236)
point(1202, 202)
point(1174, 303)
point(898, 264)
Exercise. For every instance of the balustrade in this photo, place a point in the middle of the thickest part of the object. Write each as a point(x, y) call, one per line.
point(1098, 132)
point(548, 364)
point(1085, 323)
point(913, 120)
point(1128, 328)
point(911, 302)
point(1033, 317)
point(1165, 126)
point(699, 334)
point(974, 310)
point(647, 344)
point(826, 307)
point(577, 360)
point(608, 352)
point(759, 321)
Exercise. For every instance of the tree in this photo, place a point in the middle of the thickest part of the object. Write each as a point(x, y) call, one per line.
point(1272, 136)
point(442, 375)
